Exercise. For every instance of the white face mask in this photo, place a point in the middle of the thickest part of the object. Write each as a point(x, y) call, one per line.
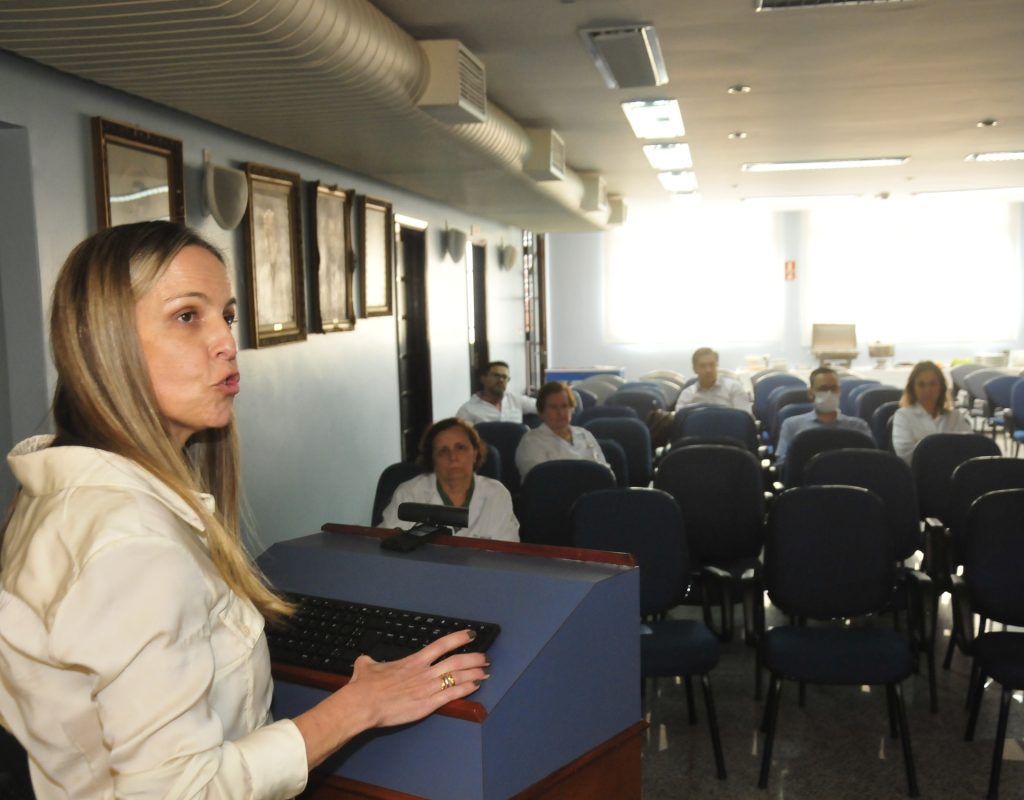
point(826, 402)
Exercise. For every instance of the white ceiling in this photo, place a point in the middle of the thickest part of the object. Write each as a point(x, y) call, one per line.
point(905, 78)
point(892, 79)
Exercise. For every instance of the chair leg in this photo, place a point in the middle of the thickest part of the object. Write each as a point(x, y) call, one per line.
point(975, 690)
point(716, 741)
point(933, 687)
point(688, 683)
point(890, 705)
point(908, 755)
point(758, 678)
point(771, 712)
point(997, 752)
point(948, 659)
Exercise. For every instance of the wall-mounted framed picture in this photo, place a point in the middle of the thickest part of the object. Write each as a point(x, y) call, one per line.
point(376, 258)
point(333, 265)
point(276, 298)
point(138, 175)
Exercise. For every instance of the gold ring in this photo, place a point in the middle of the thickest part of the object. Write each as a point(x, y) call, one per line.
point(447, 681)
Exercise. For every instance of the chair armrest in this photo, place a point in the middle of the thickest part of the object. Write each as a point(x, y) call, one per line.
point(922, 607)
point(723, 582)
point(963, 615)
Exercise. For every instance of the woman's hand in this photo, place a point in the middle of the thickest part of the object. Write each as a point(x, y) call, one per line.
point(383, 694)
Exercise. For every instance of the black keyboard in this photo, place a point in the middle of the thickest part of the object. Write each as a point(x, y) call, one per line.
point(330, 635)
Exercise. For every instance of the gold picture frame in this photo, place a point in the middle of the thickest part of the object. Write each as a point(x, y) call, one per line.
point(333, 262)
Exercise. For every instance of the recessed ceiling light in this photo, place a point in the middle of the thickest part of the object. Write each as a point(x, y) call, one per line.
point(654, 119)
point(678, 181)
point(626, 55)
point(737, 135)
point(844, 163)
point(1007, 155)
point(987, 123)
point(669, 156)
point(739, 88)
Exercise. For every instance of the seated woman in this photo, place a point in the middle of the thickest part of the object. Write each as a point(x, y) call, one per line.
point(925, 409)
point(132, 656)
point(451, 451)
point(556, 439)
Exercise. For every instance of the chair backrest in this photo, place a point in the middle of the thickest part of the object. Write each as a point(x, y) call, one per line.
point(998, 391)
point(975, 382)
point(784, 413)
point(871, 397)
point(810, 442)
point(670, 389)
point(680, 419)
point(665, 374)
point(640, 400)
point(721, 421)
point(720, 491)
point(547, 496)
point(504, 437)
point(959, 373)
point(885, 474)
point(532, 421)
point(635, 438)
point(390, 478)
point(644, 386)
point(764, 387)
point(994, 556)
point(587, 398)
point(933, 462)
point(762, 372)
point(646, 523)
point(615, 455)
point(846, 387)
point(881, 424)
point(491, 468)
point(780, 398)
point(969, 481)
point(599, 388)
point(827, 553)
point(1017, 403)
point(588, 414)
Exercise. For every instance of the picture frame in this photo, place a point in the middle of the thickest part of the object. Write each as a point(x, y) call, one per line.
point(333, 262)
point(139, 175)
point(376, 258)
point(277, 302)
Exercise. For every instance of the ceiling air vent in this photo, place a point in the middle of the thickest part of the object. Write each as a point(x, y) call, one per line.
point(617, 209)
point(457, 89)
point(627, 56)
point(546, 161)
point(595, 192)
point(773, 5)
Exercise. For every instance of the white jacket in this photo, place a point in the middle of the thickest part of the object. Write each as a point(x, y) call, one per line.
point(129, 668)
point(490, 508)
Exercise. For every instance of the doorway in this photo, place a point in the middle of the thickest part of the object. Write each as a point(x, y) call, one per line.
point(415, 401)
point(479, 350)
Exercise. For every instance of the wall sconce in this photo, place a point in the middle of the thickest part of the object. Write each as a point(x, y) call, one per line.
point(507, 256)
point(225, 193)
point(453, 243)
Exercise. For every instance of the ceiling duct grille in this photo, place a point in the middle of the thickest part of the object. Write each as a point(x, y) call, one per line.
point(627, 56)
point(546, 161)
point(595, 192)
point(457, 89)
point(774, 5)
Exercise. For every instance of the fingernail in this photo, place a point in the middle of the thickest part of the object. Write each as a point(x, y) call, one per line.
point(476, 683)
point(487, 664)
point(472, 633)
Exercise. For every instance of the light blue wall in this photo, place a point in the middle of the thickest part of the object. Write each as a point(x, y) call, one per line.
point(318, 419)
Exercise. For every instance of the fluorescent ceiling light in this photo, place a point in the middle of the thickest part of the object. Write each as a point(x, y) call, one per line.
point(844, 163)
point(654, 119)
point(1006, 155)
point(669, 156)
point(678, 181)
point(799, 200)
point(627, 56)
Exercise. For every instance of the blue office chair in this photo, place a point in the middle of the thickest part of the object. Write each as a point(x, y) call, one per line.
point(847, 573)
point(991, 585)
point(504, 437)
point(998, 396)
point(635, 438)
point(648, 524)
point(720, 492)
point(645, 386)
point(977, 401)
point(587, 398)
point(810, 442)
point(389, 479)
point(642, 401)
point(847, 386)
point(881, 424)
point(604, 411)
point(615, 455)
point(791, 410)
point(491, 468)
point(547, 496)
point(780, 398)
point(1017, 412)
point(764, 387)
point(716, 421)
point(871, 397)
point(958, 376)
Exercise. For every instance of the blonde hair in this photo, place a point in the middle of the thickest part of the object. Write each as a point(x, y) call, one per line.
point(909, 397)
point(104, 398)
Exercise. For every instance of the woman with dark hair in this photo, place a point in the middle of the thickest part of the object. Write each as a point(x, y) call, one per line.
point(556, 439)
point(451, 452)
point(132, 656)
point(925, 408)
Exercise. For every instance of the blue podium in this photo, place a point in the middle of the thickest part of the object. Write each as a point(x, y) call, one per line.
point(561, 710)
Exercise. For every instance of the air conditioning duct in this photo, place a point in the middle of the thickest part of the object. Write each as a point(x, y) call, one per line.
point(773, 5)
point(627, 56)
point(546, 161)
point(457, 89)
point(595, 192)
point(617, 209)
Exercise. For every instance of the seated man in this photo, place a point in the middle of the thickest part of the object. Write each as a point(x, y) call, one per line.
point(824, 393)
point(710, 387)
point(493, 403)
